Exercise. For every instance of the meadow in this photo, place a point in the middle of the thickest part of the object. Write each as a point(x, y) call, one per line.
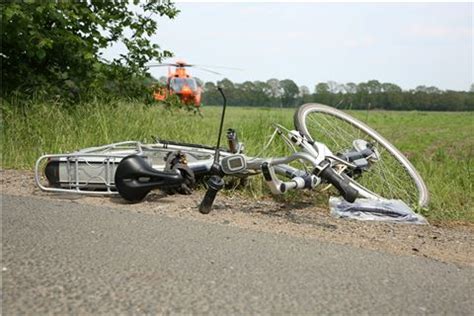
point(439, 144)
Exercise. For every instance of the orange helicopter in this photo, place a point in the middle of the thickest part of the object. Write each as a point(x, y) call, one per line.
point(180, 83)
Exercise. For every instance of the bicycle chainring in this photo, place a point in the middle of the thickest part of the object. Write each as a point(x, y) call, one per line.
point(176, 160)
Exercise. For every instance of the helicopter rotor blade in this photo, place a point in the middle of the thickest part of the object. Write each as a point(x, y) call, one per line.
point(185, 65)
point(161, 65)
point(208, 70)
point(221, 67)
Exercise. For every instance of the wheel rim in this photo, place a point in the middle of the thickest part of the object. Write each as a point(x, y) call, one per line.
point(392, 177)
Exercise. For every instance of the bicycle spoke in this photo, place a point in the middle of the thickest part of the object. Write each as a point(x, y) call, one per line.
point(386, 176)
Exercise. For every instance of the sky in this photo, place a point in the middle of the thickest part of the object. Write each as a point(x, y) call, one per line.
point(407, 44)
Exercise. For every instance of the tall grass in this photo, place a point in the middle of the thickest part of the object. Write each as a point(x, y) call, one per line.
point(440, 145)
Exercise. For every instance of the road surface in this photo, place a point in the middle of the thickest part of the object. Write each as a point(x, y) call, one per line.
point(63, 257)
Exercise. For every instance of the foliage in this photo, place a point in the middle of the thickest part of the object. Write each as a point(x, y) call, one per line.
point(365, 95)
point(290, 92)
point(54, 47)
point(173, 102)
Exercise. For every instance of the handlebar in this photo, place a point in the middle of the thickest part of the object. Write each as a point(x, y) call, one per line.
point(322, 170)
point(342, 185)
point(215, 184)
point(299, 179)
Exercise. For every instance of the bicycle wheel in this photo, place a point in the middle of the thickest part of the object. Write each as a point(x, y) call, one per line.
point(391, 177)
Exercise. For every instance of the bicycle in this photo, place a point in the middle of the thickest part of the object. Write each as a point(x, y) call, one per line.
point(332, 147)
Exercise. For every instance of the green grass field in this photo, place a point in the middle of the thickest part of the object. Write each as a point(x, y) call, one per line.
point(440, 145)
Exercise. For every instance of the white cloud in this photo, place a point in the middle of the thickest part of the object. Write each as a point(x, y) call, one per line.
point(359, 42)
point(439, 31)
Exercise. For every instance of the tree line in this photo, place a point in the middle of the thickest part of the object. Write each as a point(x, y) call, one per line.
point(365, 95)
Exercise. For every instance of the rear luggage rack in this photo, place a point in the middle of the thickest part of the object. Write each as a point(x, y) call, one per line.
point(92, 170)
point(88, 171)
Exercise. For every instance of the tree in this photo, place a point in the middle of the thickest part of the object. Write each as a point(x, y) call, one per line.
point(363, 87)
point(433, 90)
point(350, 87)
point(276, 91)
point(230, 90)
point(390, 87)
point(56, 44)
point(304, 90)
point(275, 88)
point(321, 88)
point(263, 87)
point(210, 94)
point(247, 93)
point(226, 84)
point(421, 88)
point(374, 86)
point(322, 93)
point(290, 92)
point(334, 87)
point(262, 93)
point(209, 86)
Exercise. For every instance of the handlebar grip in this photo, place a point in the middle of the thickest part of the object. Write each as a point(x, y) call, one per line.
point(341, 184)
point(215, 183)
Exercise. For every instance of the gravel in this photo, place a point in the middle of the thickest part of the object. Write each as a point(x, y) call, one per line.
point(442, 242)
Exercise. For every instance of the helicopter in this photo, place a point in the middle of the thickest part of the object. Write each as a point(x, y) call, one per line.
point(180, 83)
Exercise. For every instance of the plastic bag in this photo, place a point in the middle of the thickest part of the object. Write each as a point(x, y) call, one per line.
point(375, 210)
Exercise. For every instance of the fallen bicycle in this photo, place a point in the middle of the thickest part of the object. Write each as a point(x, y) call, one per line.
point(332, 148)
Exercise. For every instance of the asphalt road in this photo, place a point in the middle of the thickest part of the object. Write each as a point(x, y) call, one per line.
point(63, 257)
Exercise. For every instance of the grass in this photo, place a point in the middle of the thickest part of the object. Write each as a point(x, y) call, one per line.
point(440, 145)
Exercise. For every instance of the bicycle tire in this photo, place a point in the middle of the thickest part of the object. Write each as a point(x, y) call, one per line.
point(394, 178)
